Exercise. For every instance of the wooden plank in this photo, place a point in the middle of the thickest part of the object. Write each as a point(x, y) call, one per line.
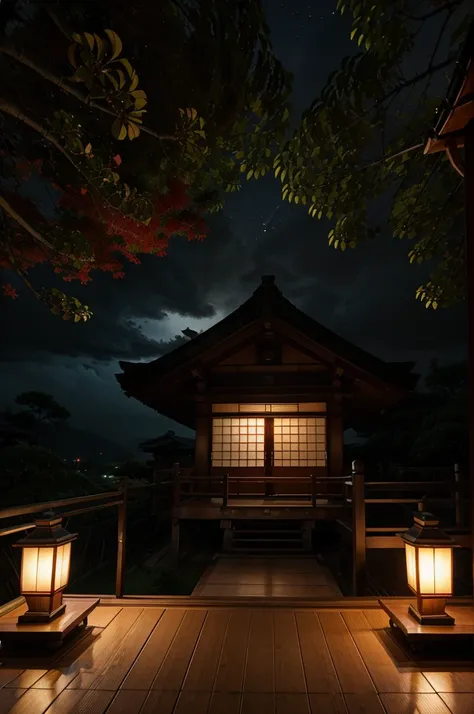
point(325, 703)
point(126, 702)
point(99, 650)
point(102, 616)
point(196, 702)
point(292, 703)
point(79, 701)
point(267, 590)
point(67, 701)
point(350, 668)
point(8, 674)
point(364, 704)
point(175, 664)
point(261, 702)
point(318, 666)
point(451, 681)
point(203, 668)
point(414, 704)
point(159, 702)
point(21, 701)
point(289, 674)
point(150, 659)
point(225, 703)
point(378, 621)
point(9, 698)
point(230, 673)
point(382, 668)
point(115, 670)
point(459, 703)
point(259, 671)
point(26, 679)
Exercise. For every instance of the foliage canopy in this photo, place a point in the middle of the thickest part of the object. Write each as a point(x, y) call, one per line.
point(204, 97)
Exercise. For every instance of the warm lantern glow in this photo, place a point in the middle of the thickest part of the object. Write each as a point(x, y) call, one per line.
point(63, 562)
point(410, 553)
point(435, 571)
point(429, 562)
point(37, 570)
point(45, 568)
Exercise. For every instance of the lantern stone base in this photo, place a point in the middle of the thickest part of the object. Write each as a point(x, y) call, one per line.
point(32, 616)
point(50, 633)
point(402, 614)
point(435, 619)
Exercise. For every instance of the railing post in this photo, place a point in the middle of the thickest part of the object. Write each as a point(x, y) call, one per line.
point(313, 490)
point(358, 529)
point(121, 540)
point(176, 485)
point(225, 490)
point(459, 496)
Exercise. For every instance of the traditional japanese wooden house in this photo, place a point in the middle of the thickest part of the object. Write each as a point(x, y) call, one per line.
point(269, 392)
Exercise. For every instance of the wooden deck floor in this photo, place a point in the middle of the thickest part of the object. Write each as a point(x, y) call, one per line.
point(145, 659)
point(267, 577)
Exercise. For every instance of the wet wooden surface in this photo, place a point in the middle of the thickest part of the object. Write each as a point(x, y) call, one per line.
point(267, 577)
point(220, 659)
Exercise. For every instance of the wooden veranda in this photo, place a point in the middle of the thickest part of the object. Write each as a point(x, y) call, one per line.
point(214, 656)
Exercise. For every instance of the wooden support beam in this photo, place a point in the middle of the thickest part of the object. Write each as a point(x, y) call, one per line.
point(358, 529)
point(202, 449)
point(121, 541)
point(469, 257)
point(175, 540)
point(335, 432)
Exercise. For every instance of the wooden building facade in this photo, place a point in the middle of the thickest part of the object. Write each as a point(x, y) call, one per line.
point(269, 392)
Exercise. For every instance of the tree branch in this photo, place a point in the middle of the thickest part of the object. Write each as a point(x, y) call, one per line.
point(15, 112)
point(80, 96)
point(448, 6)
point(26, 226)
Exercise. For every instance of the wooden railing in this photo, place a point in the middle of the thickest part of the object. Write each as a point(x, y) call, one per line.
point(203, 488)
point(451, 493)
point(68, 507)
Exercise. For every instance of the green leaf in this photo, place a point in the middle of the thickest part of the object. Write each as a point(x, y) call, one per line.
point(250, 174)
point(100, 46)
point(286, 114)
point(71, 54)
point(90, 40)
point(116, 43)
point(127, 66)
point(119, 130)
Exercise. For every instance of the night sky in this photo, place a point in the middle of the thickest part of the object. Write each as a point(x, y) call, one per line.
point(365, 295)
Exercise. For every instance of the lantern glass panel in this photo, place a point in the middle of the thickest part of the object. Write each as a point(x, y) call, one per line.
point(37, 569)
point(410, 552)
point(63, 559)
point(435, 565)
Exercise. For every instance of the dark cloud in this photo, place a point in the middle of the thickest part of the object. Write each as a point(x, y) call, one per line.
point(366, 295)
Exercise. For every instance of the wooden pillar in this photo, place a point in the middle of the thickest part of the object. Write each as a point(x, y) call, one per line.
point(202, 450)
point(358, 529)
point(121, 541)
point(469, 255)
point(335, 432)
point(175, 540)
point(459, 495)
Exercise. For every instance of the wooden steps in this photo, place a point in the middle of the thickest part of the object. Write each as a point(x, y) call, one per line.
point(277, 537)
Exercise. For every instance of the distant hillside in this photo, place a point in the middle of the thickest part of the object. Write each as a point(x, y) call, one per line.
point(71, 443)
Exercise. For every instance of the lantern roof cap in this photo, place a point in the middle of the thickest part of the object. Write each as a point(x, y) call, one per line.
point(426, 533)
point(48, 531)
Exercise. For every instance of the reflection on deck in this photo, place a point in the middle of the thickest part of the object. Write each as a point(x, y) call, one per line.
point(267, 577)
point(186, 655)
